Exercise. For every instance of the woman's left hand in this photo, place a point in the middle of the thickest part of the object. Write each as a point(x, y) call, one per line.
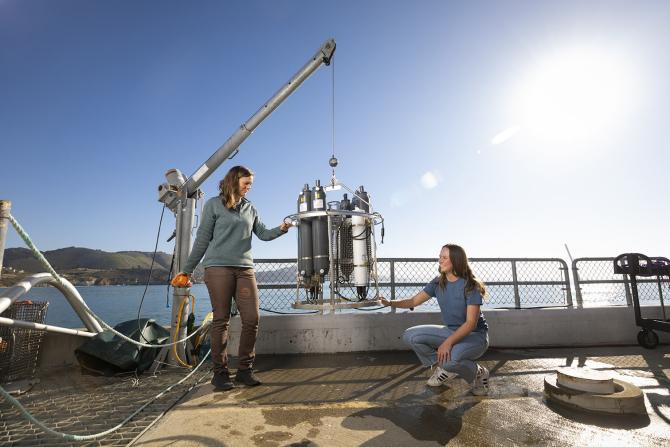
point(444, 352)
point(284, 227)
point(182, 280)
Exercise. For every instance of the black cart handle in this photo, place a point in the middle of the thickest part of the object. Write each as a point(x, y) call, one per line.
point(641, 265)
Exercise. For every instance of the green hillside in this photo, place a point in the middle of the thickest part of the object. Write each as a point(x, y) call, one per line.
point(77, 258)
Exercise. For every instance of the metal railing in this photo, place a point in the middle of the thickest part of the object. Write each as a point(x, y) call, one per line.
point(597, 284)
point(511, 282)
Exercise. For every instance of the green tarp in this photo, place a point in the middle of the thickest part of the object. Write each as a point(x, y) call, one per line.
point(109, 354)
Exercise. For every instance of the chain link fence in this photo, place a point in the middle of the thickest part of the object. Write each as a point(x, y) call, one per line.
point(596, 284)
point(511, 282)
point(515, 283)
point(277, 279)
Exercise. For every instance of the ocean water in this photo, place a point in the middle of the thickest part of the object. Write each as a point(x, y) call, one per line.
point(116, 304)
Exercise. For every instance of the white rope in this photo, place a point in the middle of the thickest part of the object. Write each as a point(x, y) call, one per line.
point(70, 437)
point(26, 238)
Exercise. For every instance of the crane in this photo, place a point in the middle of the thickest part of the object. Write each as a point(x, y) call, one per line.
point(179, 194)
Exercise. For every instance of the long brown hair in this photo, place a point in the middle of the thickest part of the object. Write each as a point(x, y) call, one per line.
point(461, 268)
point(229, 187)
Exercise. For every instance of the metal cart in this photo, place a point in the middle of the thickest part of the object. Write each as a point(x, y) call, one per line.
point(634, 265)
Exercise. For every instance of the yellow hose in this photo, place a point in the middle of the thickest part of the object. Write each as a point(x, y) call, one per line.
point(176, 332)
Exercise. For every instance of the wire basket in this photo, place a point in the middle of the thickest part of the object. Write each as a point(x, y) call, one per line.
point(19, 347)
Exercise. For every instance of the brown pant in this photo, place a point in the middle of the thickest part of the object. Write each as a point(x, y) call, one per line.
point(224, 283)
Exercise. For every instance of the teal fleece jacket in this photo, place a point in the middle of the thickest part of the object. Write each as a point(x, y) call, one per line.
point(224, 235)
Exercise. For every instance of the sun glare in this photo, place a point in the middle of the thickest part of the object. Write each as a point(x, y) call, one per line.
point(574, 95)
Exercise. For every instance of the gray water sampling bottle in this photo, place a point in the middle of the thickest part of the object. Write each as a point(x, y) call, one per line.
point(319, 231)
point(356, 201)
point(305, 261)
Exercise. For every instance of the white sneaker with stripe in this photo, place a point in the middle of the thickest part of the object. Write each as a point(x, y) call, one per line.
point(440, 376)
point(480, 386)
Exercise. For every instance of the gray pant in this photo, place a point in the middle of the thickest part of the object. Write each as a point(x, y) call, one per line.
point(425, 340)
point(224, 284)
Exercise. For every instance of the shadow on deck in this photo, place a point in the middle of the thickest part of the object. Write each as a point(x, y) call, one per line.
point(370, 399)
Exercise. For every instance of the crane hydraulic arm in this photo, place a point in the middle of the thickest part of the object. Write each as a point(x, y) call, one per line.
point(180, 194)
point(168, 194)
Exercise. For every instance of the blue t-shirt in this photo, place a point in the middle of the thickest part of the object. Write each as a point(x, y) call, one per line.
point(453, 302)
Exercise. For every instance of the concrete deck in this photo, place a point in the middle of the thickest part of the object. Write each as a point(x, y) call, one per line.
point(380, 399)
point(367, 398)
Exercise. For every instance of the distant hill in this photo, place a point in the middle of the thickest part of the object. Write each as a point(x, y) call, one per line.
point(85, 266)
point(76, 257)
point(282, 275)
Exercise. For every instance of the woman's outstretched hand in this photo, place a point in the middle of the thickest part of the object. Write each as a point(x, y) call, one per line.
point(385, 302)
point(182, 280)
point(284, 226)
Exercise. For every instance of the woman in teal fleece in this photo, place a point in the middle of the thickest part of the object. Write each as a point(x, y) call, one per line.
point(224, 239)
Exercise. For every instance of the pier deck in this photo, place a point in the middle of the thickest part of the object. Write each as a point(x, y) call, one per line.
point(367, 398)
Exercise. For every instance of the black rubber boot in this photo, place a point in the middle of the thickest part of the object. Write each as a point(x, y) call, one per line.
point(247, 377)
point(221, 381)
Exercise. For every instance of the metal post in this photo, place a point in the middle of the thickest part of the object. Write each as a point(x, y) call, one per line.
point(184, 213)
point(636, 300)
point(5, 207)
point(566, 278)
point(578, 288)
point(517, 297)
point(660, 296)
point(626, 286)
point(392, 263)
point(373, 247)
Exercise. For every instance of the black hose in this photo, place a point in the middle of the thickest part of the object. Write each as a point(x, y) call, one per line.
point(167, 292)
point(374, 308)
point(288, 313)
point(151, 269)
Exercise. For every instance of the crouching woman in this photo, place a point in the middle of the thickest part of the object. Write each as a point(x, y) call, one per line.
point(451, 349)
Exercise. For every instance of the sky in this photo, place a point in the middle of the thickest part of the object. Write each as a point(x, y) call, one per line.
point(511, 128)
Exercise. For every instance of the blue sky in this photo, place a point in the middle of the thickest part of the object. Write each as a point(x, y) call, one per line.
point(510, 127)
